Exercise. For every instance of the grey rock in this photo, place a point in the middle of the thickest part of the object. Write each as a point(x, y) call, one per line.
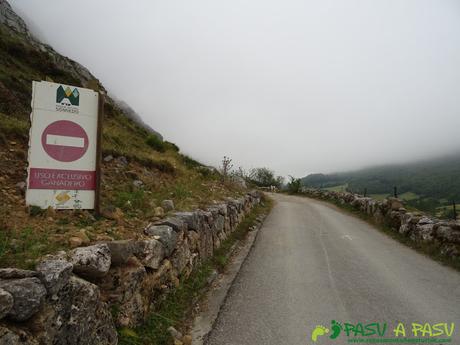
point(166, 235)
point(447, 234)
point(91, 262)
point(190, 218)
point(9, 336)
point(158, 212)
point(138, 183)
point(174, 333)
point(28, 295)
point(174, 222)
point(54, 274)
point(77, 316)
point(425, 220)
point(150, 253)
point(16, 273)
point(121, 251)
point(122, 160)
point(168, 205)
point(219, 223)
point(108, 158)
point(125, 285)
point(6, 303)
point(11, 19)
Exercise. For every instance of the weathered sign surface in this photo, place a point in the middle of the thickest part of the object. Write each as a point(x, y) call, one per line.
point(62, 147)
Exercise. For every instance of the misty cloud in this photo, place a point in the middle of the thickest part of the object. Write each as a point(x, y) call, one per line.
point(298, 86)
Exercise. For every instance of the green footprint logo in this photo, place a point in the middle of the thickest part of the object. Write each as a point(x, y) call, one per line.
point(336, 329)
point(318, 331)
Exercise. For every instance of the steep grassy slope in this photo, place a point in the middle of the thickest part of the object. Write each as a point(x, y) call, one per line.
point(132, 154)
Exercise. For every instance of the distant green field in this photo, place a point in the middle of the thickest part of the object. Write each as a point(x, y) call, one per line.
point(340, 188)
point(409, 196)
point(379, 196)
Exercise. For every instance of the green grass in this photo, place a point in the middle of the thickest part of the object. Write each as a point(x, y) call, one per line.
point(409, 196)
point(173, 310)
point(429, 248)
point(405, 196)
point(21, 250)
point(379, 197)
point(340, 188)
point(12, 127)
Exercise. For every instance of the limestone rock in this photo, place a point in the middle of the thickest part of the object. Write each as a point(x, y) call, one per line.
point(16, 337)
point(121, 251)
point(91, 262)
point(76, 317)
point(394, 203)
point(447, 234)
point(138, 183)
point(16, 273)
point(54, 273)
point(150, 253)
point(28, 295)
point(166, 235)
point(6, 303)
point(192, 219)
point(123, 286)
point(176, 223)
point(158, 212)
point(75, 242)
point(168, 205)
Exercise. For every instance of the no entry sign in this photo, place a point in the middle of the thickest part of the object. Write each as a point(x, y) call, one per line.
point(63, 147)
point(65, 141)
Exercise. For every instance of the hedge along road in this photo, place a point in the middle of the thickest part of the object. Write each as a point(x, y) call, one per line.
point(312, 264)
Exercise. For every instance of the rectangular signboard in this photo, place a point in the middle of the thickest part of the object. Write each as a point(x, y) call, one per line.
point(62, 147)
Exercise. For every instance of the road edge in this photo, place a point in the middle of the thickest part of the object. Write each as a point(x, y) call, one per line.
point(204, 321)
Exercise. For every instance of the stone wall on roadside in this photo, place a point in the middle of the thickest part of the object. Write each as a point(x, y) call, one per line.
point(81, 296)
point(420, 228)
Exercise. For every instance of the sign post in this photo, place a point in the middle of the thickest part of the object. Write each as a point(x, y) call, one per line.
point(64, 147)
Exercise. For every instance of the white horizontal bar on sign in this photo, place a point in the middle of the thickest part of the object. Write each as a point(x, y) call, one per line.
point(62, 140)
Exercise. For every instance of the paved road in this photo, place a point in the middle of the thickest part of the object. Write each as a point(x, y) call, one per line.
point(311, 264)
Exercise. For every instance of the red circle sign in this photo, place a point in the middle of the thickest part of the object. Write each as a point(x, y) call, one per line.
point(65, 141)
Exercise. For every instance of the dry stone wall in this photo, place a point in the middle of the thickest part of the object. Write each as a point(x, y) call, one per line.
point(444, 234)
point(81, 296)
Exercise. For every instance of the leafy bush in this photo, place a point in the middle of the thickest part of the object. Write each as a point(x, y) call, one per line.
point(154, 142)
point(171, 146)
point(264, 177)
point(294, 185)
point(190, 162)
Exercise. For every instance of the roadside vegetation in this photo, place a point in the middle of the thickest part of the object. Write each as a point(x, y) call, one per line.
point(430, 186)
point(139, 170)
point(177, 306)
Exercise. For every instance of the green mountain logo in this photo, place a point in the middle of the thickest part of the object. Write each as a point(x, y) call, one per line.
point(67, 96)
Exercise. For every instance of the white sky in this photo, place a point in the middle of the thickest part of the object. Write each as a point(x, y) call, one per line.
point(297, 86)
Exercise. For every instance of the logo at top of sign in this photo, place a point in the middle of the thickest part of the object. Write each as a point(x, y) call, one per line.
point(65, 141)
point(67, 96)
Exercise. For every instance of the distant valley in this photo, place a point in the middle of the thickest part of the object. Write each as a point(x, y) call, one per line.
point(430, 186)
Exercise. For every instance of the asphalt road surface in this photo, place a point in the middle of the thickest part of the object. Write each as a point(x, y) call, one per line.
point(312, 264)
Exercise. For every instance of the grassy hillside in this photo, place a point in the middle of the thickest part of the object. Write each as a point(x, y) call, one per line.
point(430, 186)
point(136, 155)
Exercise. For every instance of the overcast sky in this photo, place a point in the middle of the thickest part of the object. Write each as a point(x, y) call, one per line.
point(295, 85)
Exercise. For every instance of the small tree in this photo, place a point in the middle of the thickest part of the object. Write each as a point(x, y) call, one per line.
point(294, 185)
point(264, 177)
point(226, 167)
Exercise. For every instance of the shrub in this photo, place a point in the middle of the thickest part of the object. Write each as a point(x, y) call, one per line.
point(154, 142)
point(171, 146)
point(190, 162)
